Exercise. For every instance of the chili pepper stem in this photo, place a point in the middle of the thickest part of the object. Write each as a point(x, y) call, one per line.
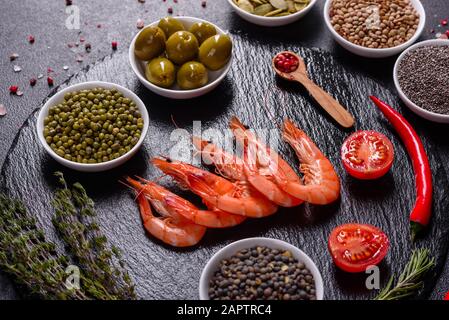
point(415, 229)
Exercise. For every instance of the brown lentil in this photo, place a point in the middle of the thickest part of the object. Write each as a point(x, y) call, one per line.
point(262, 273)
point(422, 76)
point(395, 22)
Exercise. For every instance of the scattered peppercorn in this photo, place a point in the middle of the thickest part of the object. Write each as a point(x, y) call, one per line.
point(33, 82)
point(170, 10)
point(13, 56)
point(68, 2)
point(31, 39)
point(88, 47)
point(114, 45)
point(50, 81)
point(13, 89)
point(93, 126)
point(3, 110)
point(203, 4)
point(262, 273)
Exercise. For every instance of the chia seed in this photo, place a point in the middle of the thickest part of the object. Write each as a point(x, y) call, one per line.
point(423, 78)
point(262, 273)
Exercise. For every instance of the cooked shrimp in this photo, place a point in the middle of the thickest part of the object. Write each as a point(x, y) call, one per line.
point(171, 231)
point(262, 164)
point(175, 206)
point(321, 183)
point(229, 166)
point(232, 197)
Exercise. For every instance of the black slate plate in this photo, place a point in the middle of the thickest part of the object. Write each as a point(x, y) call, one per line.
point(161, 272)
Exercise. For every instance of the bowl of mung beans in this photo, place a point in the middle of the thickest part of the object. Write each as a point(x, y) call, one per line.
point(260, 269)
point(92, 126)
point(375, 28)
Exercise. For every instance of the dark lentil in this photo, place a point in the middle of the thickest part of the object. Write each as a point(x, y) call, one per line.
point(262, 273)
point(423, 74)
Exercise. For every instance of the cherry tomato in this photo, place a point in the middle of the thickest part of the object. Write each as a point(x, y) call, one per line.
point(367, 155)
point(354, 247)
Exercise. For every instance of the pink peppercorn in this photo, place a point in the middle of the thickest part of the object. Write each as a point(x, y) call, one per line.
point(13, 89)
point(33, 82)
point(50, 81)
point(114, 45)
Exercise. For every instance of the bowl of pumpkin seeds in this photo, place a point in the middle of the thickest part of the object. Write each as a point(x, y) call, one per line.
point(272, 13)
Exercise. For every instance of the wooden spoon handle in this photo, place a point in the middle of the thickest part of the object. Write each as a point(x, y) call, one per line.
point(332, 107)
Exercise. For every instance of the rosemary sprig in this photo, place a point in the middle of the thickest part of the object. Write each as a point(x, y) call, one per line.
point(410, 280)
point(75, 221)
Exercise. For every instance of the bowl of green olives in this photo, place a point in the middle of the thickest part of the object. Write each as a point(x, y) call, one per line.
point(93, 126)
point(181, 57)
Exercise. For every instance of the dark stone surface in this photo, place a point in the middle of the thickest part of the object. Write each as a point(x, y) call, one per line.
point(154, 266)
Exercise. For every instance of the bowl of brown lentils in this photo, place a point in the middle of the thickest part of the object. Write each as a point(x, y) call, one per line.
point(260, 269)
point(92, 126)
point(420, 77)
point(375, 28)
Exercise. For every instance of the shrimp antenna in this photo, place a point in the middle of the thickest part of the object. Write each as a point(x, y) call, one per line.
point(173, 121)
point(138, 193)
point(269, 112)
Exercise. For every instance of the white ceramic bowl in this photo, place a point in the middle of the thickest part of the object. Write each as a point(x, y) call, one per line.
point(372, 52)
point(94, 167)
point(271, 21)
point(231, 249)
point(432, 116)
point(215, 77)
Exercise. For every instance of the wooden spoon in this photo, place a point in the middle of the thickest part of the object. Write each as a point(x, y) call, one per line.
point(332, 107)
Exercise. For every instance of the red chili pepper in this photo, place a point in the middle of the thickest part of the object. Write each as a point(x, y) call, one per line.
point(447, 296)
point(421, 213)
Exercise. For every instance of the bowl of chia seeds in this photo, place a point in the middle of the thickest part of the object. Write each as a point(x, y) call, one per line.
point(420, 77)
point(261, 269)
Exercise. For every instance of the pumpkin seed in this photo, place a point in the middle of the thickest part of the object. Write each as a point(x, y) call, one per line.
point(291, 6)
point(272, 8)
point(273, 13)
point(245, 5)
point(279, 4)
point(263, 9)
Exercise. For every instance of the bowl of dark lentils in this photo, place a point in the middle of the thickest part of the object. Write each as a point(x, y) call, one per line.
point(420, 76)
point(92, 126)
point(260, 269)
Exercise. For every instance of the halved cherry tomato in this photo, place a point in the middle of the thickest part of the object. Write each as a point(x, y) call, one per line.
point(354, 246)
point(367, 155)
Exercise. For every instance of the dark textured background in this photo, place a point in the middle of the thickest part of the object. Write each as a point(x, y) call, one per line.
point(117, 19)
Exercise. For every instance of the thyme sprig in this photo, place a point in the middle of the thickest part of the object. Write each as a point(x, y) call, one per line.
point(28, 257)
point(35, 262)
point(410, 280)
point(75, 221)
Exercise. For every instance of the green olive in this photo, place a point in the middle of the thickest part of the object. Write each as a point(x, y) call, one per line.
point(161, 72)
point(150, 43)
point(216, 51)
point(182, 46)
point(203, 31)
point(192, 75)
point(170, 25)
